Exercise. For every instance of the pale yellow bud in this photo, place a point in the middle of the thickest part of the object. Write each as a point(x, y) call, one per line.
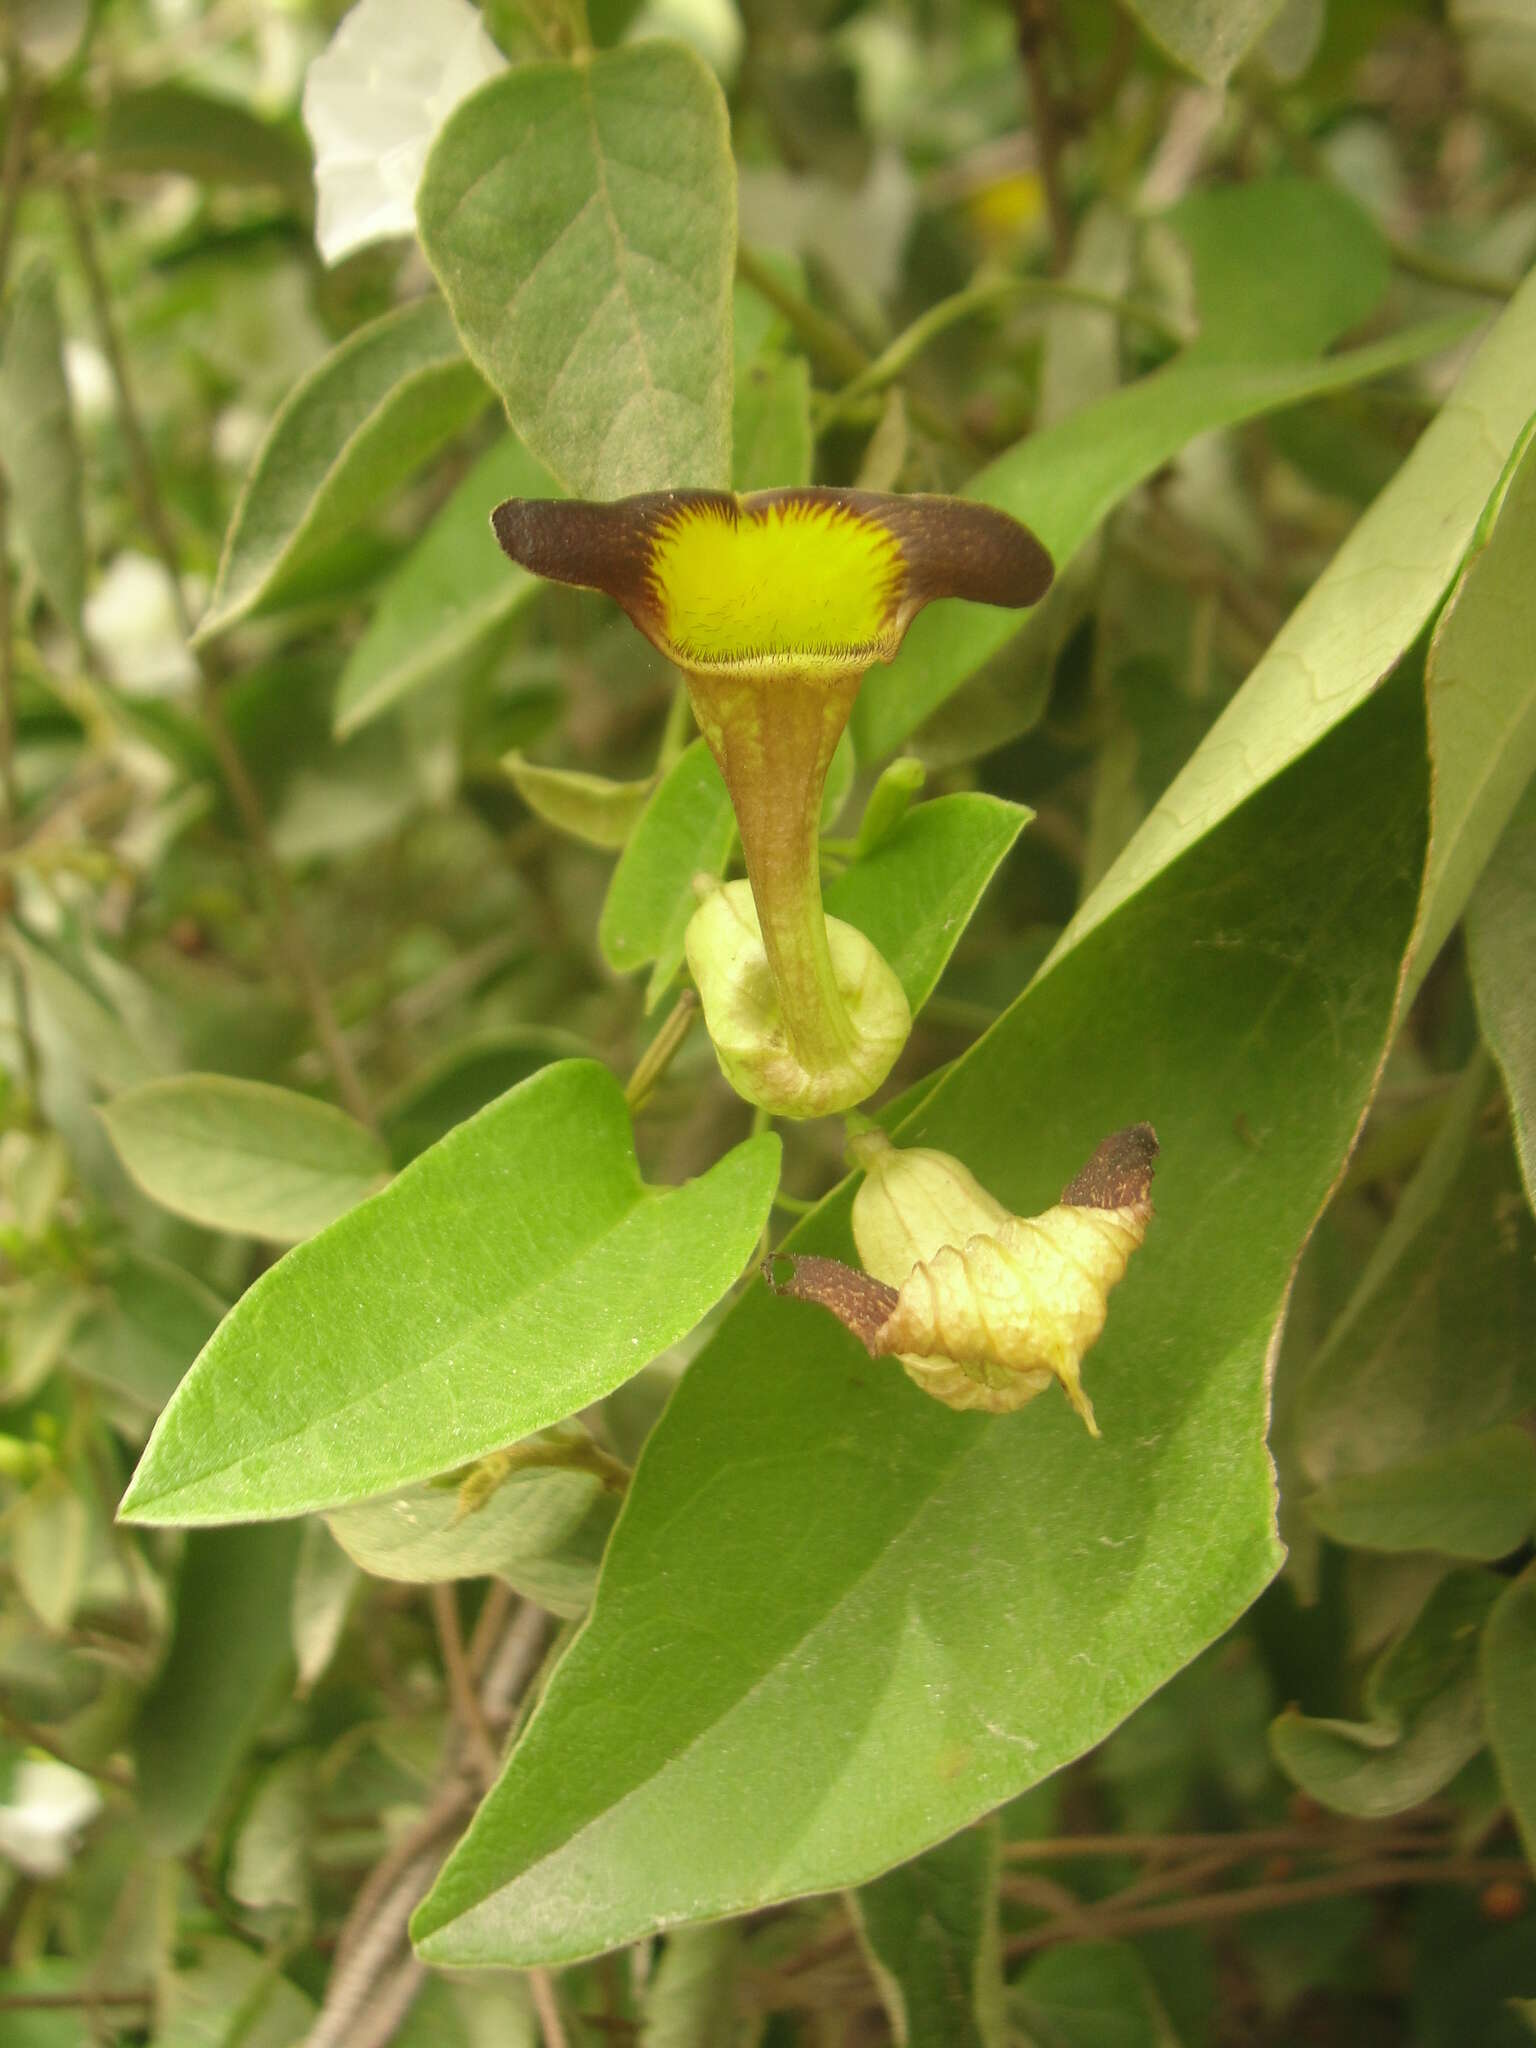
point(911, 1203)
point(988, 1318)
point(741, 999)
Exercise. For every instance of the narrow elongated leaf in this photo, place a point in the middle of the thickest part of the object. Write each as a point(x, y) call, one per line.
point(227, 1659)
point(1209, 37)
point(37, 440)
point(930, 1932)
point(917, 891)
point(1424, 1711)
point(1476, 1498)
point(175, 128)
point(450, 597)
point(1481, 680)
point(245, 1156)
point(513, 1274)
point(1065, 480)
point(346, 437)
point(1509, 1682)
point(785, 1567)
point(1363, 613)
point(592, 808)
point(688, 828)
point(581, 221)
point(771, 440)
point(1501, 953)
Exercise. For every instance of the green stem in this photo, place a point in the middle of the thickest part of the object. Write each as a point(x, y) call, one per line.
point(980, 297)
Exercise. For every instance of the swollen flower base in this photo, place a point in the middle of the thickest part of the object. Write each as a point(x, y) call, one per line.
point(983, 1309)
point(774, 606)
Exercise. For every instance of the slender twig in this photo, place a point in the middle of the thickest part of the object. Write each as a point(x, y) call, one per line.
point(70, 2001)
point(490, 1623)
point(23, 1730)
point(893, 360)
point(237, 776)
point(1445, 270)
point(1248, 1842)
point(661, 1051)
point(461, 1685)
point(452, 1802)
point(828, 342)
point(547, 2005)
point(355, 1979)
point(384, 2018)
point(1107, 1922)
point(1035, 24)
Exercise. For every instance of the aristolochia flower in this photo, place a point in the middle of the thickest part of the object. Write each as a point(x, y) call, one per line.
point(774, 606)
point(983, 1309)
point(373, 102)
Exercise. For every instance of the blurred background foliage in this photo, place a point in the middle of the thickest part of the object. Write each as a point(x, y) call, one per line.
point(300, 854)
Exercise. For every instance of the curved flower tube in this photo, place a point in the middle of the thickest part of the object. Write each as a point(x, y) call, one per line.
point(983, 1309)
point(773, 606)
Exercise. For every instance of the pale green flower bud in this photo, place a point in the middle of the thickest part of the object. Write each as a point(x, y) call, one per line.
point(760, 1050)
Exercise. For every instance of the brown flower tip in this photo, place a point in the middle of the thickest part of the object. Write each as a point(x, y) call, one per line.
point(860, 1304)
point(1119, 1175)
point(777, 581)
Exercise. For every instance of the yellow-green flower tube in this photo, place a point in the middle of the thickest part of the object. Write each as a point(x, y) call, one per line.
point(774, 606)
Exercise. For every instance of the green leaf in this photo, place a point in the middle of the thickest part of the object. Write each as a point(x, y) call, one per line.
point(889, 801)
point(514, 1273)
point(1363, 613)
point(1481, 680)
point(1475, 1498)
point(1434, 1343)
point(451, 596)
point(930, 1933)
point(1208, 37)
point(1509, 1678)
point(1423, 1707)
point(1501, 955)
point(690, 2001)
point(917, 891)
point(1090, 1994)
point(346, 437)
point(229, 1658)
point(771, 440)
point(147, 1327)
point(581, 221)
point(542, 1531)
point(37, 441)
point(174, 128)
point(591, 808)
point(1065, 480)
point(98, 1005)
point(688, 828)
point(464, 1080)
point(875, 1619)
point(49, 1531)
point(325, 1579)
point(245, 1156)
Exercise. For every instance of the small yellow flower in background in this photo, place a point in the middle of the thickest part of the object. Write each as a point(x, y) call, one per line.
point(774, 606)
point(983, 1309)
point(374, 100)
